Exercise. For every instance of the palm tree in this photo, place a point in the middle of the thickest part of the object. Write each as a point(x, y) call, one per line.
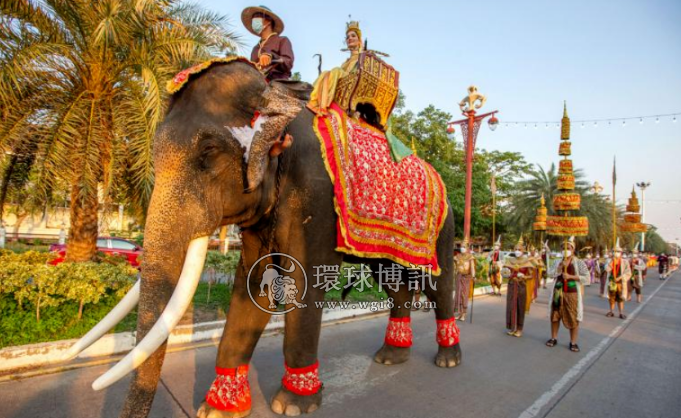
point(87, 80)
point(525, 201)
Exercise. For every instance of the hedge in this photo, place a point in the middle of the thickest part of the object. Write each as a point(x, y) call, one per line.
point(39, 302)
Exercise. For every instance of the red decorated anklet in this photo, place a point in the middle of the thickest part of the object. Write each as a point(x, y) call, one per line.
point(230, 390)
point(398, 333)
point(303, 381)
point(447, 332)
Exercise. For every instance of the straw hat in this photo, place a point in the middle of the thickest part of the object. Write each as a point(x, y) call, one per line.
point(249, 12)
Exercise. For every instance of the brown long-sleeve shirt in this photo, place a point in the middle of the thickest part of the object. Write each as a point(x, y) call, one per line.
point(281, 50)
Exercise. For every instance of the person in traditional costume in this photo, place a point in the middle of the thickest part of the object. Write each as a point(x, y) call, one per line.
point(567, 298)
point(531, 282)
point(663, 265)
point(539, 266)
point(604, 274)
point(544, 273)
point(465, 278)
point(594, 269)
point(619, 272)
point(638, 269)
point(274, 53)
point(494, 269)
point(325, 85)
point(517, 270)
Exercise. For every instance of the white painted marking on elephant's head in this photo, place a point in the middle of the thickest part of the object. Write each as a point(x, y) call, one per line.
point(245, 134)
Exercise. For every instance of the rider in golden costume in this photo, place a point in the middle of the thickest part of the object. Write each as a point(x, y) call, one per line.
point(325, 85)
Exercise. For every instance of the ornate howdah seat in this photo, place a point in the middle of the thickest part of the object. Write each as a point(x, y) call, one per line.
point(372, 82)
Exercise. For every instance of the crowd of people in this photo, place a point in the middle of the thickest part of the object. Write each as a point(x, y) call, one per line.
point(619, 275)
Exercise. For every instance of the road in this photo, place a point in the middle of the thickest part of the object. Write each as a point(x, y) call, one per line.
point(626, 368)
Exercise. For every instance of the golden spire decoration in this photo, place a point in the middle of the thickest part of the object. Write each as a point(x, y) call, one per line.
point(565, 124)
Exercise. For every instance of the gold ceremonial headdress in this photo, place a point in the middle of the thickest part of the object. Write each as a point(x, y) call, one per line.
point(353, 26)
point(617, 246)
point(520, 245)
point(498, 243)
point(571, 242)
point(464, 243)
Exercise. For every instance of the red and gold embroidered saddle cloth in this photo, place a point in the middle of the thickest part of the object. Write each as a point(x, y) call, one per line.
point(385, 209)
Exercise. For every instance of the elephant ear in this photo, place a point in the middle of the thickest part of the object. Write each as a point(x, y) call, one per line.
point(280, 108)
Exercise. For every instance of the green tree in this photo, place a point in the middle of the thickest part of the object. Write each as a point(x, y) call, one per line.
point(524, 201)
point(427, 130)
point(87, 80)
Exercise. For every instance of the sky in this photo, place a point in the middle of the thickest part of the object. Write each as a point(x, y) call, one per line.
point(606, 58)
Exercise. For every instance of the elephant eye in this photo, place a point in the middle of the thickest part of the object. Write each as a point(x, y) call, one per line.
point(208, 154)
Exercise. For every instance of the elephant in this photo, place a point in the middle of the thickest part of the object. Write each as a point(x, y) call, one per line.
point(283, 201)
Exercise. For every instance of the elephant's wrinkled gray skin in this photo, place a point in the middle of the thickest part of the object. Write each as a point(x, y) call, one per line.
point(201, 183)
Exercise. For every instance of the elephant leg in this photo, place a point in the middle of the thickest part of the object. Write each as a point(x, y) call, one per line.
point(447, 334)
point(398, 335)
point(301, 390)
point(229, 396)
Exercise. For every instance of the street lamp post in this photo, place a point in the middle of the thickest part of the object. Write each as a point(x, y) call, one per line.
point(643, 186)
point(469, 129)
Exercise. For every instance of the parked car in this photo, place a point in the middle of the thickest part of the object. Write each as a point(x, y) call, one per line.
point(108, 245)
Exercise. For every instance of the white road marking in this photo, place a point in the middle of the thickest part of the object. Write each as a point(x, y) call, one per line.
point(546, 398)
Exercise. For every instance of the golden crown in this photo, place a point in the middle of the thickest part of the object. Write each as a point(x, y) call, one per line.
point(353, 25)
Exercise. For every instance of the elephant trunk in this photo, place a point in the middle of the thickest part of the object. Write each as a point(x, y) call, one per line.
point(176, 244)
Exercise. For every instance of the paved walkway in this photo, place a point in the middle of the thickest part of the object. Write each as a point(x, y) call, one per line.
point(626, 369)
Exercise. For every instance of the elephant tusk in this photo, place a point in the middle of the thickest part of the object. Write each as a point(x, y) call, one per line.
point(116, 315)
point(176, 307)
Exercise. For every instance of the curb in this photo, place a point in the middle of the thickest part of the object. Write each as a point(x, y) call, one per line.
point(32, 356)
point(36, 356)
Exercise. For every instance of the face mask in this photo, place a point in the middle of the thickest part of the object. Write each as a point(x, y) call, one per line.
point(589, 256)
point(618, 255)
point(464, 250)
point(568, 253)
point(518, 253)
point(257, 25)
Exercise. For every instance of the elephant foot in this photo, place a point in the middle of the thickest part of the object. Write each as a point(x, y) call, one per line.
point(207, 411)
point(389, 354)
point(448, 356)
point(288, 403)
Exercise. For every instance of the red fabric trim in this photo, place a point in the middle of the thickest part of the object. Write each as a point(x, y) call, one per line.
point(366, 231)
point(447, 332)
point(302, 381)
point(230, 391)
point(398, 333)
point(256, 115)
